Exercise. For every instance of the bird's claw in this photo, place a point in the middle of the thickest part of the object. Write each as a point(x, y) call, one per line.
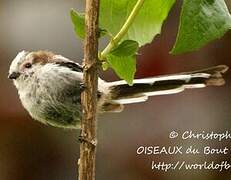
point(86, 140)
point(82, 87)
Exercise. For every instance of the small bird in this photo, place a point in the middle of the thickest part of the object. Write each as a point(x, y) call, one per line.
point(50, 85)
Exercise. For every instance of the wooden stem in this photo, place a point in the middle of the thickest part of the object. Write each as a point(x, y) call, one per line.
point(88, 138)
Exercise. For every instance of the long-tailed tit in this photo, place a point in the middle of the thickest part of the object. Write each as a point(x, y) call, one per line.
point(49, 87)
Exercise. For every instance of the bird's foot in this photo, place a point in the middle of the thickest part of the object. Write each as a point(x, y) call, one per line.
point(82, 87)
point(84, 139)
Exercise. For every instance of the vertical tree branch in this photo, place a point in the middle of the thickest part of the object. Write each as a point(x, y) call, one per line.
point(89, 96)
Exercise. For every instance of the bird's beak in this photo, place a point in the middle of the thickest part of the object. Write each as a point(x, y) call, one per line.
point(14, 75)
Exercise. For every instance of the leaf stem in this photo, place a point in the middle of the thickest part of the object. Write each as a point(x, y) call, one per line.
point(114, 41)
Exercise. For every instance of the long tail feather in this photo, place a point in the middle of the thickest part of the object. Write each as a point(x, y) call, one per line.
point(167, 84)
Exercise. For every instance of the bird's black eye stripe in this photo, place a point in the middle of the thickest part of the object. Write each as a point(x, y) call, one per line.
point(28, 65)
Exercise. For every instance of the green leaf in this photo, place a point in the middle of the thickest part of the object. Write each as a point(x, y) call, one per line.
point(201, 22)
point(78, 20)
point(124, 66)
point(123, 61)
point(147, 24)
point(126, 48)
point(102, 32)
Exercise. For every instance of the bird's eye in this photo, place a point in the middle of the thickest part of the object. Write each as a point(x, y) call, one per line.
point(28, 65)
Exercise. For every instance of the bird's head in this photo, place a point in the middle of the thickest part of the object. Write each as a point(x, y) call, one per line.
point(25, 64)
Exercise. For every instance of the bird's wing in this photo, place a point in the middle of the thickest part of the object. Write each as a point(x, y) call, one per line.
point(71, 65)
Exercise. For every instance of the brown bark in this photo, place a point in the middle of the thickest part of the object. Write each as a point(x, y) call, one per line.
point(89, 96)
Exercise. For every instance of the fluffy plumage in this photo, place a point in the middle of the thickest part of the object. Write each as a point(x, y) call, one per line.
point(49, 87)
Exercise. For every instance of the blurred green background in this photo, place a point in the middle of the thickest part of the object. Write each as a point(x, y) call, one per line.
point(32, 151)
